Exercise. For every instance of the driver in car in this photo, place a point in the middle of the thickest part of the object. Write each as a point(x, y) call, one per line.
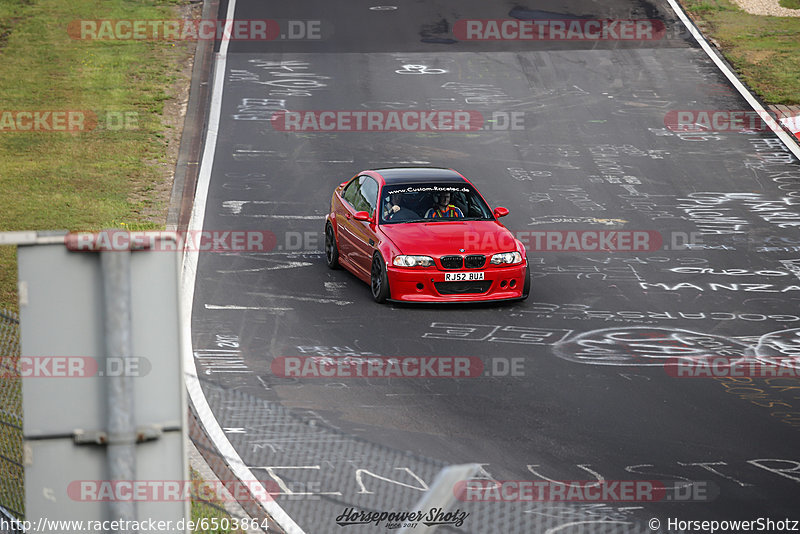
point(392, 205)
point(442, 207)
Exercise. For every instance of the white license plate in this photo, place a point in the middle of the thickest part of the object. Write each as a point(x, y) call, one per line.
point(463, 277)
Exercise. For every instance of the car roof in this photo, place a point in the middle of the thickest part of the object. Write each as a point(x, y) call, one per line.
point(410, 175)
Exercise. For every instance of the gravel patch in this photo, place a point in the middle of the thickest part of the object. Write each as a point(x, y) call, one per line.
point(767, 7)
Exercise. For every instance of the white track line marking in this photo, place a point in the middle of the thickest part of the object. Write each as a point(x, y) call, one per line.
point(188, 277)
point(235, 307)
point(763, 113)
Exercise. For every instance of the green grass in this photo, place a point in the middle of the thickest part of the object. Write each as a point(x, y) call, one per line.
point(86, 180)
point(212, 511)
point(790, 4)
point(92, 179)
point(764, 50)
point(706, 6)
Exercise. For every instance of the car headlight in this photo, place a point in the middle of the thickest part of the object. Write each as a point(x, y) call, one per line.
point(506, 258)
point(413, 261)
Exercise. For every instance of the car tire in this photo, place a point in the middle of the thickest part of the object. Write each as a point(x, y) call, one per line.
point(526, 287)
point(379, 280)
point(331, 248)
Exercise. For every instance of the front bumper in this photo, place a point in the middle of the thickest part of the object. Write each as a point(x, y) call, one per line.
point(428, 285)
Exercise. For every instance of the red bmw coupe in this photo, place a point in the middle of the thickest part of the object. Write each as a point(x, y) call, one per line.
point(424, 235)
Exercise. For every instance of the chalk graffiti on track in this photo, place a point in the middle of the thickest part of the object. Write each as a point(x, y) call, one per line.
point(653, 346)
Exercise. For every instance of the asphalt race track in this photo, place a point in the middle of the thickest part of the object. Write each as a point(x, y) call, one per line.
point(576, 385)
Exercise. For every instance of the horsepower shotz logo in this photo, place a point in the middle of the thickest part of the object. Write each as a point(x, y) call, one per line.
point(433, 517)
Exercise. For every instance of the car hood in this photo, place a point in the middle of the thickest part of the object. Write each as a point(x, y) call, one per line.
point(449, 237)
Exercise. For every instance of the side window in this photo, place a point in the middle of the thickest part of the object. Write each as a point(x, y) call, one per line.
point(362, 194)
point(350, 193)
point(369, 194)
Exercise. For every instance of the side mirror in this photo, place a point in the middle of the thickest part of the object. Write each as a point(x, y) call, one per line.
point(500, 211)
point(362, 216)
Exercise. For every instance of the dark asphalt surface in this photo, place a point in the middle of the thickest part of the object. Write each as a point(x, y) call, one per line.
point(592, 397)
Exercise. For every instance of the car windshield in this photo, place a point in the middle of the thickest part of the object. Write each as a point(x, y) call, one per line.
point(407, 203)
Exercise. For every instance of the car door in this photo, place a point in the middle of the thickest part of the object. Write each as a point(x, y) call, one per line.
point(364, 237)
point(344, 218)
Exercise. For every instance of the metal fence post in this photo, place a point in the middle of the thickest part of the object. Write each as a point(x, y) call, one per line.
point(120, 413)
point(116, 271)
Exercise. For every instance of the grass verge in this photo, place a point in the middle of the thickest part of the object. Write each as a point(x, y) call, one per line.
point(91, 179)
point(210, 517)
point(765, 51)
point(111, 175)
